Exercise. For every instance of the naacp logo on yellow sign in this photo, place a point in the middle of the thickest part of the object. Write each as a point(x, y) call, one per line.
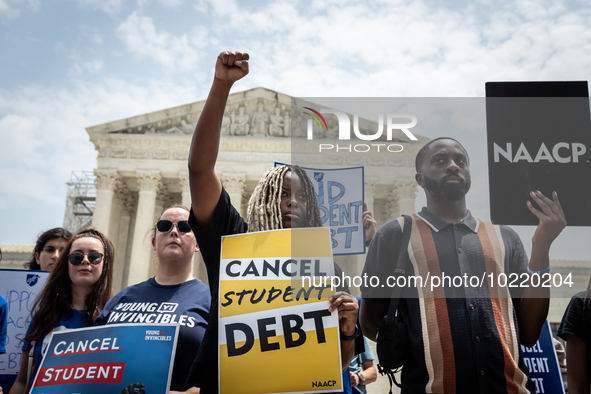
point(276, 336)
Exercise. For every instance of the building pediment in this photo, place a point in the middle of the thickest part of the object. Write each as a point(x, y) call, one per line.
point(257, 112)
point(182, 119)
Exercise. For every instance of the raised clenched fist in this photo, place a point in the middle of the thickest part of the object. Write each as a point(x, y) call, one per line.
point(231, 66)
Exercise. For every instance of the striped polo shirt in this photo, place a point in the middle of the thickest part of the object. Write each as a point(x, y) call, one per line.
point(463, 334)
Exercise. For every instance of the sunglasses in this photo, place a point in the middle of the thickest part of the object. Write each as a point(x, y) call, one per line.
point(94, 258)
point(165, 226)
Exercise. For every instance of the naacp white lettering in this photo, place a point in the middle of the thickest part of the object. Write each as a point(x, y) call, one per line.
point(561, 152)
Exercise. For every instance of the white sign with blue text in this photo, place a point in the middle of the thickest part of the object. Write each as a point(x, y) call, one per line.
point(20, 288)
point(339, 193)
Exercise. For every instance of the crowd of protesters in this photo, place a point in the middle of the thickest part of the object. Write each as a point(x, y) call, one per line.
point(487, 333)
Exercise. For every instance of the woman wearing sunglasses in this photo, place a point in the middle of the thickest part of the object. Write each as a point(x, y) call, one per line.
point(77, 290)
point(172, 296)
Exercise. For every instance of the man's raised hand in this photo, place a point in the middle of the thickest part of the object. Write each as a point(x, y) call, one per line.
point(552, 220)
point(231, 66)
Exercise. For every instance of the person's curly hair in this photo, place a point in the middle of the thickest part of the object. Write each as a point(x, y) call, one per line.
point(264, 206)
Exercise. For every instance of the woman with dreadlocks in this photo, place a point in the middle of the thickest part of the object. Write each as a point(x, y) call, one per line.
point(575, 329)
point(284, 198)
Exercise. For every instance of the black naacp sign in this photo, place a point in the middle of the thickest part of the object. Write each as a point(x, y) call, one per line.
point(539, 138)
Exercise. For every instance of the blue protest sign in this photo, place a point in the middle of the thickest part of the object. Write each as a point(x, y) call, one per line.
point(107, 359)
point(542, 362)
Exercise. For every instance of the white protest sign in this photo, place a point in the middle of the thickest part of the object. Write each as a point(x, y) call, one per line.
point(340, 196)
point(20, 288)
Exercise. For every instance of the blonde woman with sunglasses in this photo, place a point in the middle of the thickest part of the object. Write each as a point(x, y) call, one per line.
point(77, 290)
point(172, 296)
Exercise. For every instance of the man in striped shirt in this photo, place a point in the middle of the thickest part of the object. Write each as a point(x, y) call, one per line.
point(463, 335)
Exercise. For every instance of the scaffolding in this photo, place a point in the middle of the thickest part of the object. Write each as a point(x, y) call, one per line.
point(80, 202)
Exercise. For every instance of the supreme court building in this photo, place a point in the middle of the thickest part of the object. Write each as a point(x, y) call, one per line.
point(142, 168)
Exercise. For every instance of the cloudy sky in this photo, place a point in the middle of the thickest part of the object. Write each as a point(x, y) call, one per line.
point(70, 64)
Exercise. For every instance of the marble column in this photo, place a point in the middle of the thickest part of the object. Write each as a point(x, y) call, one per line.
point(406, 192)
point(358, 261)
point(130, 237)
point(162, 201)
point(115, 227)
point(370, 189)
point(105, 181)
point(391, 210)
point(125, 204)
point(234, 183)
point(198, 269)
point(185, 189)
point(139, 266)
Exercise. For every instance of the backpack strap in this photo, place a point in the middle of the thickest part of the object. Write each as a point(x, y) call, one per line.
point(400, 269)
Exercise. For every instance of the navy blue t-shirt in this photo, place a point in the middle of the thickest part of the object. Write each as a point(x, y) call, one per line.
point(149, 302)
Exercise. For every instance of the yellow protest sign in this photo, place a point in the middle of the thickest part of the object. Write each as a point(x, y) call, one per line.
point(274, 336)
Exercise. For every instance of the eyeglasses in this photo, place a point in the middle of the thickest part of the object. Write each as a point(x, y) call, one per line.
point(165, 226)
point(77, 258)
